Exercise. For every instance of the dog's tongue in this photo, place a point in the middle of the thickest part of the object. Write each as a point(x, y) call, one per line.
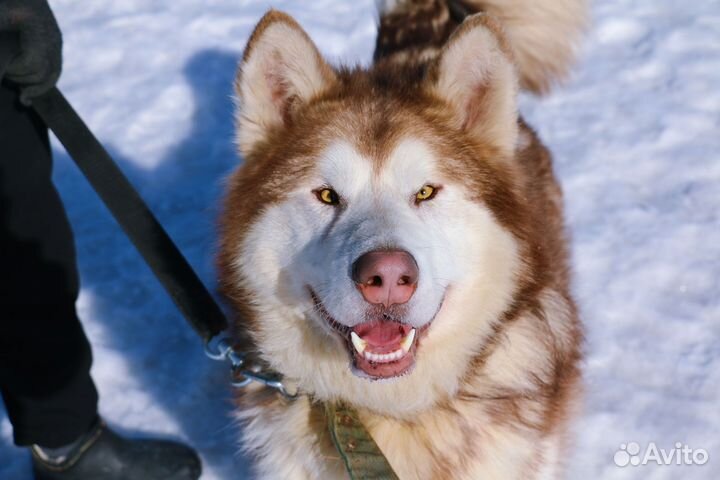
point(383, 338)
point(382, 334)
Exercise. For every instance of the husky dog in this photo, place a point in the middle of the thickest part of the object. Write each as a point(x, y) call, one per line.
point(394, 241)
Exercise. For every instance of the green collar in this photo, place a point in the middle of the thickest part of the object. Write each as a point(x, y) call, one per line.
point(361, 455)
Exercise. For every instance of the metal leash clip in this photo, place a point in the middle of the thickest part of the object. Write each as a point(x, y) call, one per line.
point(243, 371)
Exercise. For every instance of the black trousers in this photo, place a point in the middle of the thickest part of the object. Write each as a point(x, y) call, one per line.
point(44, 355)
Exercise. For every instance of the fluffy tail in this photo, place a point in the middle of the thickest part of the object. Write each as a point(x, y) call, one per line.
point(543, 34)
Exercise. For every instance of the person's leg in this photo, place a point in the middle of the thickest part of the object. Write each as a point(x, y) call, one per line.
point(44, 355)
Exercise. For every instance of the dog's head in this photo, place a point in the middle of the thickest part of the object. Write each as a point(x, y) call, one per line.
point(372, 232)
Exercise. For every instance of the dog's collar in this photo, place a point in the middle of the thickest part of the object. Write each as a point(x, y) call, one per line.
point(362, 457)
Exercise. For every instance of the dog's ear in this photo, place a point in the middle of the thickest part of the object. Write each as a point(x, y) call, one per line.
point(475, 74)
point(280, 70)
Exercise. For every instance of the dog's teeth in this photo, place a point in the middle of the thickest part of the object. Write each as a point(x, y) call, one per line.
point(408, 341)
point(359, 344)
point(385, 357)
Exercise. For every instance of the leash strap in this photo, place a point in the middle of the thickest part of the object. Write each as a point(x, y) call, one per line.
point(133, 215)
point(361, 455)
point(140, 225)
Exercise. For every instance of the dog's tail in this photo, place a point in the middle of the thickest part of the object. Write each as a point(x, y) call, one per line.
point(543, 34)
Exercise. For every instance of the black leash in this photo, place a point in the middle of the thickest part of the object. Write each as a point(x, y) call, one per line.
point(140, 225)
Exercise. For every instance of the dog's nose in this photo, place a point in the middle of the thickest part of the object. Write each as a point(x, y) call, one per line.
point(387, 277)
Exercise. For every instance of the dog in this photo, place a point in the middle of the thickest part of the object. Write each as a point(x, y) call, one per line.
point(394, 241)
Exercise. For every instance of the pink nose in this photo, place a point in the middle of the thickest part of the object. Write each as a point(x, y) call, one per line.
point(387, 277)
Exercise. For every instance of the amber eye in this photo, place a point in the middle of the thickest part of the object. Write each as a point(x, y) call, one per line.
point(328, 196)
point(425, 193)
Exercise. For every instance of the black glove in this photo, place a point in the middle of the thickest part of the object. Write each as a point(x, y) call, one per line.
point(37, 67)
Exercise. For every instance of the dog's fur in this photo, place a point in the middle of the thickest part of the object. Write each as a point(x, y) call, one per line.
point(496, 373)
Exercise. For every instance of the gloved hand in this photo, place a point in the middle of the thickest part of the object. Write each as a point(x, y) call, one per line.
point(37, 67)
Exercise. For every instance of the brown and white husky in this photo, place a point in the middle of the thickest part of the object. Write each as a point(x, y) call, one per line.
point(394, 240)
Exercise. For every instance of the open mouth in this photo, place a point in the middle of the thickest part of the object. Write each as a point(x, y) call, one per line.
point(382, 348)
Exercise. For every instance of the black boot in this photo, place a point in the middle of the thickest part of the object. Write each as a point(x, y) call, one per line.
point(103, 455)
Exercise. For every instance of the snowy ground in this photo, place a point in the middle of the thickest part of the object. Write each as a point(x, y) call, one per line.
point(636, 135)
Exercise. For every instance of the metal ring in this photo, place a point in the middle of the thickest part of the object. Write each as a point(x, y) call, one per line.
point(257, 375)
point(222, 350)
point(286, 394)
point(241, 383)
point(252, 373)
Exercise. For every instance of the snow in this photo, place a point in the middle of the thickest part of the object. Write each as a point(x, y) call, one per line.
point(635, 134)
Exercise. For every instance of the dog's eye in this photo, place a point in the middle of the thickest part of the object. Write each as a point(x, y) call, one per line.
point(425, 193)
point(328, 196)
